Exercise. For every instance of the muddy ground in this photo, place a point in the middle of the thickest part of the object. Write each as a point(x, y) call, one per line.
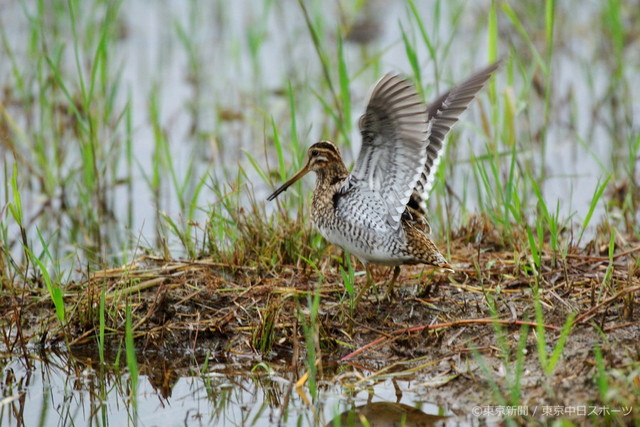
point(455, 334)
point(438, 330)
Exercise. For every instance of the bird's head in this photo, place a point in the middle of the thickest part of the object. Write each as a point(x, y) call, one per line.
point(319, 156)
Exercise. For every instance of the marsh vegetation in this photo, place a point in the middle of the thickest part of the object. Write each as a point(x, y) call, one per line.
point(145, 280)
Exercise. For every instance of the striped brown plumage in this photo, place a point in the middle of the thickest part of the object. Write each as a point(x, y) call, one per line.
point(378, 211)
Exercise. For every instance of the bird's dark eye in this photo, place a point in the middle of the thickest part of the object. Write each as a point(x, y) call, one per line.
point(314, 152)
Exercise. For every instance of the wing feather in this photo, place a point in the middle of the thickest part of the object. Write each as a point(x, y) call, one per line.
point(443, 114)
point(403, 140)
point(395, 131)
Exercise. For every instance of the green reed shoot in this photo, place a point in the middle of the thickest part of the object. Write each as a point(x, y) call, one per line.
point(426, 39)
point(102, 323)
point(297, 151)
point(186, 39)
point(264, 334)
point(345, 93)
point(257, 167)
point(54, 290)
point(492, 44)
point(132, 361)
point(516, 379)
point(15, 208)
point(163, 158)
point(186, 230)
point(549, 362)
point(257, 34)
point(521, 29)
point(546, 221)
point(489, 376)
point(348, 279)
point(325, 63)
point(601, 375)
point(414, 62)
point(514, 374)
point(597, 195)
point(282, 168)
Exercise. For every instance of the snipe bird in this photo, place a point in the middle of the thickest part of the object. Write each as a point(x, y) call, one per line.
point(377, 212)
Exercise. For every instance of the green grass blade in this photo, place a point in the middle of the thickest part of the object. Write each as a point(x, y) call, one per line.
point(54, 290)
point(102, 322)
point(599, 191)
point(492, 39)
point(601, 374)
point(559, 347)
point(412, 57)
point(279, 150)
point(132, 361)
point(516, 384)
point(513, 17)
point(423, 31)
point(541, 342)
point(345, 95)
point(295, 142)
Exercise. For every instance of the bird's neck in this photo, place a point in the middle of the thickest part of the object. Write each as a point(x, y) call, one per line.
point(328, 182)
point(330, 175)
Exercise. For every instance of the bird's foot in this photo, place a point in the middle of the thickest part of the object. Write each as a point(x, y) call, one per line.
point(390, 293)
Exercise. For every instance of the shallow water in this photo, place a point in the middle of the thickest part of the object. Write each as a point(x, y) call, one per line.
point(218, 92)
point(62, 389)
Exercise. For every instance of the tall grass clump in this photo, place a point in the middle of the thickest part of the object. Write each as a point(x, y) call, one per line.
point(67, 128)
point(245, 235)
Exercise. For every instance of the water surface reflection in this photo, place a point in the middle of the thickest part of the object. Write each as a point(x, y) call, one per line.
point(72, 389)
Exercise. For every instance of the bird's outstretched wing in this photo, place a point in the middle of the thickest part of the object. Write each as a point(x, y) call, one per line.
point(443, 114)
point(395, 132)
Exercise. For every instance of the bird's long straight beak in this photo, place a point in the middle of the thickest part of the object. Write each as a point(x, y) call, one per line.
point(302, 172)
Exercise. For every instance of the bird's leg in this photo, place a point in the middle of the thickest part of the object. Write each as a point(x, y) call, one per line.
point(425, 286)
point(389, 292)
point(344, 261)
point(367, 285)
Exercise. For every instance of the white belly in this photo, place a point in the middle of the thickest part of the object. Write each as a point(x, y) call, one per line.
point(374, 251)
point(360, 226)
